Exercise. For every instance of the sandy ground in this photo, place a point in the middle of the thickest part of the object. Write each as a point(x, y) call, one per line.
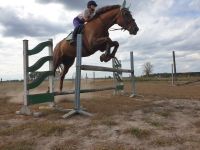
point(165, 117)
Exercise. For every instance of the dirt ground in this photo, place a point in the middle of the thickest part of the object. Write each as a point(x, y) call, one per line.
point(162, 117)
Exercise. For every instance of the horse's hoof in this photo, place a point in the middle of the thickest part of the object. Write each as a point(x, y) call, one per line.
point(107, 58)
point(102, 57)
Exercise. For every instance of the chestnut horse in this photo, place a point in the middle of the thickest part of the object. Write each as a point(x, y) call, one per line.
point(95, 37)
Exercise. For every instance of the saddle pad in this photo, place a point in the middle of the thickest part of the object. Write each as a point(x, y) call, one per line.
point(69, 37)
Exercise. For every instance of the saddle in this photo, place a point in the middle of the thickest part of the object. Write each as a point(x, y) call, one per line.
point(73, 34)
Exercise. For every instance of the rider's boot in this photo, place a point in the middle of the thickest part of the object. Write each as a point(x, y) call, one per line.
point(73, 41)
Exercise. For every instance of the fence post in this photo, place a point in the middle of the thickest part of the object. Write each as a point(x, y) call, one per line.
point(78, 72)
point(26, 64)
point(172, 74)
point(94, 77)
point(77, 109)
point(132, 75)
point(51, 77)
point(174, 63)
point(25, 110)
point(114, 78)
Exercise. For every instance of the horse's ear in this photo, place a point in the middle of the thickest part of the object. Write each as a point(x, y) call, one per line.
point(129, 6)
point(123, 4)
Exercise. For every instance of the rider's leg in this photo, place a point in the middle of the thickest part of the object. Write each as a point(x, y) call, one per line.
point(77, 22)
point(74, 35)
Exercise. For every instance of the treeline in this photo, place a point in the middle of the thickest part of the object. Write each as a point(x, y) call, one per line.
point(167, 75)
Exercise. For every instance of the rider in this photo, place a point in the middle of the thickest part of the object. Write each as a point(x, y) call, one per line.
point(83, 17)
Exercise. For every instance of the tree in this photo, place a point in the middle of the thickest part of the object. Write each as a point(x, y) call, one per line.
point(147, 69)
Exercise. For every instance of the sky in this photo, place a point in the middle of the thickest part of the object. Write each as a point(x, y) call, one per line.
point(165, 26)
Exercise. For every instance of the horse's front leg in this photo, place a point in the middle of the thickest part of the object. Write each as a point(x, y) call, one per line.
point(116, 45)
point(107, 56)
point(104, 43)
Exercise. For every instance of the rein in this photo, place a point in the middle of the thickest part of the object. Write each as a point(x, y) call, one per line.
point(113, 29)
point(122, 28)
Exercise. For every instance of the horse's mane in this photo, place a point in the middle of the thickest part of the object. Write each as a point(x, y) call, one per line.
point(104, 9)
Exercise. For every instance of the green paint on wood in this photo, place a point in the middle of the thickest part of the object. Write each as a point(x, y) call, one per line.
point(39, 80)
point(39, 48)
point(40, 98)
point(120, 87)
point(39, 63)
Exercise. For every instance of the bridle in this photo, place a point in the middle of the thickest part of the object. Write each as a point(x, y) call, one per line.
point(125, 20)
point(124, 17)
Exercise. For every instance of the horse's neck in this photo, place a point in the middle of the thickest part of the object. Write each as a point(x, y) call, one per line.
point(109, 18)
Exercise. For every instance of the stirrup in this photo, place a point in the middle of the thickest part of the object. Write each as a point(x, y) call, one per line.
point(71, 42)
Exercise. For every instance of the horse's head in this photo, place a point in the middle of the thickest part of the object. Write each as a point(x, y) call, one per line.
point(126, 21)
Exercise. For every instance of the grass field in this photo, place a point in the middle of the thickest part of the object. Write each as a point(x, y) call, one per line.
point(163, 117)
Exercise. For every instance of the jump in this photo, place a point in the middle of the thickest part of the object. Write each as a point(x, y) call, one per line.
point(95, 37)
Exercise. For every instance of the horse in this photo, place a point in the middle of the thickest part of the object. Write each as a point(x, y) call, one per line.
point(95, 37)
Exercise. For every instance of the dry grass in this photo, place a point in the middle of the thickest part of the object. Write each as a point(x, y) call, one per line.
point(115, 118)
point(164, 113)
point(165, 90)
point(28, 144)
point(103, 120)
point(7, 109)
point(35, 128)
point(109, 122)
point(155, 123)
point(108, 146)
point(167, 141)
point(70, 144)
point(138, 133)
point(197, 124)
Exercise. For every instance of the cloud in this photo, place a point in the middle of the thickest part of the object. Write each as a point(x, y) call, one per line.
point(78, 4)
point(164, 26)
point(16, 26)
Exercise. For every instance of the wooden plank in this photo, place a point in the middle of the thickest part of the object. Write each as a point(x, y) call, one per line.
point(84, 91)
point(39, 63)
point(39, 48)
point(98, 68)
point(40, 79)
point(40, 98)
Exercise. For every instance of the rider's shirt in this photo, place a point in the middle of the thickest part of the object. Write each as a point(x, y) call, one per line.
point(86, 14)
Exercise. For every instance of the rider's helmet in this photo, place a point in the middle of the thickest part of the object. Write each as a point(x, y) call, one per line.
point(91, 3)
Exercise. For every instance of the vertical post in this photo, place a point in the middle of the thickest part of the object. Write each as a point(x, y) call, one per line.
point(77, 109)
point(94, 77)
point(78, 72)
point(172, 74)
point(114, 78)
point(86, 77)
point(51, 78)
point(26, 64)
point(132, 75)
point(25, 110)
point(174, 63)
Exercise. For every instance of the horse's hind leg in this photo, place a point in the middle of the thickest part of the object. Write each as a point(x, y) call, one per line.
point(62, 76)
point(56, 63)
point(67, 64)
